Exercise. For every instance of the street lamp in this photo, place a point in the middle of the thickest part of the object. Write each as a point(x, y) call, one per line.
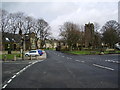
point(22, 49)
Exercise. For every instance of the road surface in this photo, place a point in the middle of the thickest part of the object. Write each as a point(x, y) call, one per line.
point(62, 70)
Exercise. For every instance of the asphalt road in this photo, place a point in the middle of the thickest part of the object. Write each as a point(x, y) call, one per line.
point(61, 70)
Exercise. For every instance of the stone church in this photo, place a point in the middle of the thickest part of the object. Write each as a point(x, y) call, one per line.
point(89, 35)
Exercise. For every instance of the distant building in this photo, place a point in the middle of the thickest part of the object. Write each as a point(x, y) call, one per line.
point(89, 35)
point(50, 43)
point(119, 12)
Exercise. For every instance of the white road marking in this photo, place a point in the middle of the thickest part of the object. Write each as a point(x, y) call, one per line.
point(24, 68)
point(103, 67)
point(9, 81)
point(80, 61)
point(63, 56)
point(4, 86)
point(19, 73)
point(112, 61)
point(77, 60)
point(14, 76)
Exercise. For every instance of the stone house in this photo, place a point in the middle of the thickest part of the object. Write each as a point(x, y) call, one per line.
point(10, 41)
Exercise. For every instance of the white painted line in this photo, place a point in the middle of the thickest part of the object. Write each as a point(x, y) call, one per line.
point(17, 73)
point(30, 62)
point(29, 65)
point(9, 81)
point(112, 61)
point(21, 70)
point(103, 67)
point(14, 76)
point(4, 86)
point(24, 68)
point(82, 61)
point(117, 62)
point(33, 63)
point(77, 61)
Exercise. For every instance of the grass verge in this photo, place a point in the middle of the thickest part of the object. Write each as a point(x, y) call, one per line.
point(9, 56)
point(90, 52)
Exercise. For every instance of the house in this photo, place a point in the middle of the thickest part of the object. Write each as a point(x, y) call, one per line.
point(10, 41)
point(52, 43)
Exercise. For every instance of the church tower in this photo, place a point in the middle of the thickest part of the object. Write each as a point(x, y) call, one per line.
point(89, 35)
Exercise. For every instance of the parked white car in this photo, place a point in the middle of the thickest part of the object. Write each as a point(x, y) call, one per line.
point(117, 45)
point(32, 53)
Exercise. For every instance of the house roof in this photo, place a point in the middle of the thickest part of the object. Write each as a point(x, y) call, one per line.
point(8, 37)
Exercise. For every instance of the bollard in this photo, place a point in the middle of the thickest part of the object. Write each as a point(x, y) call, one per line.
point(5, 58)
point(36, 57)
point(14, 57)
point(30, 57)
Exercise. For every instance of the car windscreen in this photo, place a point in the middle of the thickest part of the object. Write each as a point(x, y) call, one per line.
point(32, 52)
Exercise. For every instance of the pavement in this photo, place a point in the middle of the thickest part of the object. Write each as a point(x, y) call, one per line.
point(60, 70)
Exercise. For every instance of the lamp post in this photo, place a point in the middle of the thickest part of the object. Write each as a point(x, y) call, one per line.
point(22, 44)
point(23, 39)
point(23, 47)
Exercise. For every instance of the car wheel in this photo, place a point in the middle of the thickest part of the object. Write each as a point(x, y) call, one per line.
point(26, 55)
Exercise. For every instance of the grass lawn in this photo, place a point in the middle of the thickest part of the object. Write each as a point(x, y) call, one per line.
point(9, 56)
point(89, 52)
point(78, 52)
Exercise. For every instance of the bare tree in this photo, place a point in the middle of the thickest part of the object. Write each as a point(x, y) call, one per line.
point(96, 27)
point(29, 23)
point(70, 33)
point(97, 35)
point(42, 30)
point(4, 18)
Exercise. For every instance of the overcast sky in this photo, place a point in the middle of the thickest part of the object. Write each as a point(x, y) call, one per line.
point(58, 12)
